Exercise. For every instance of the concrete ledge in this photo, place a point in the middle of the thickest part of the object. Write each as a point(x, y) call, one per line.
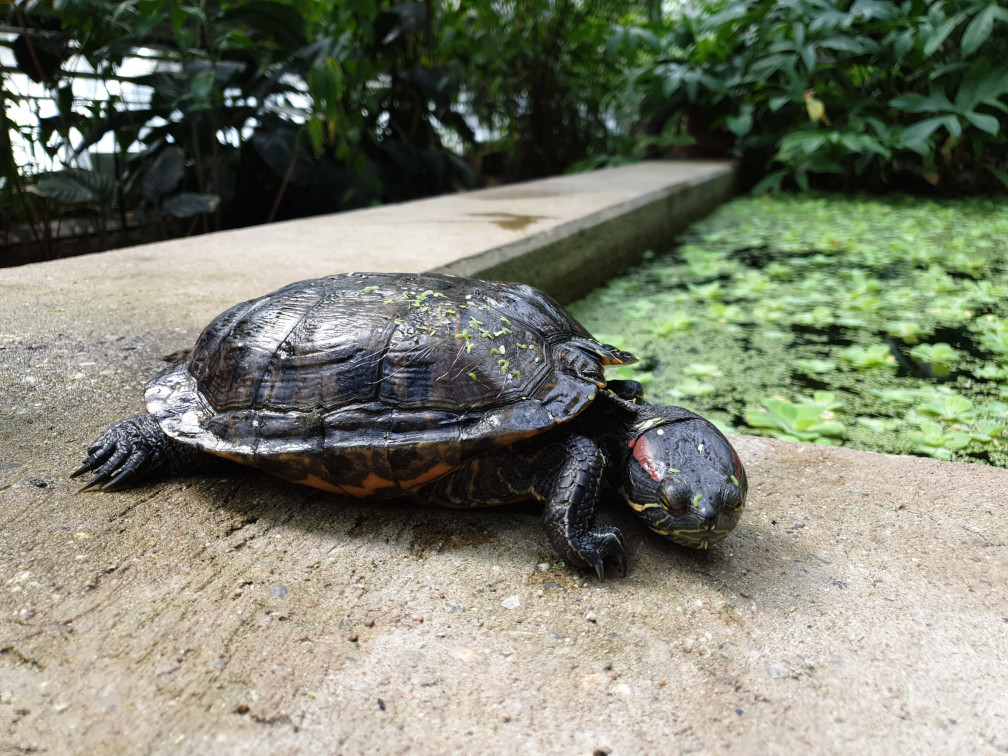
point(534, 232)
point(572, 258)
point(858, 608)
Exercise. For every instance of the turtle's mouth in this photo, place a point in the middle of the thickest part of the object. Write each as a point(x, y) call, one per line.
point(691, 529)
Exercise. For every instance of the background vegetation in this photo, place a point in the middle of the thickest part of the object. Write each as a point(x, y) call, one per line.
point(257, 110)
point(877, 323)
point(269, 109)
point(837, 93)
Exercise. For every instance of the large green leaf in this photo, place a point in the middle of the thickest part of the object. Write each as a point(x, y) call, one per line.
point(979, 29)
point(164, 174)
point(915, 137)
point(982, 121)
point(938, 37)
point(278, 22)
point(935, 102)
point(73, 185)
point(201, 85)
point(188, 204)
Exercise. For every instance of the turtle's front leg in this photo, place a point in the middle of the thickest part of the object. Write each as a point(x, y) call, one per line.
point(631, 391)
point(565, 475)
point(132, 448)
point(571, 507)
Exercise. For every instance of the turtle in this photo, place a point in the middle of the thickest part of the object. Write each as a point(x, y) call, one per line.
point(451, 391)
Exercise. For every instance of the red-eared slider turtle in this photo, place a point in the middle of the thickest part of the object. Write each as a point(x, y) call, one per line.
point(457, 392)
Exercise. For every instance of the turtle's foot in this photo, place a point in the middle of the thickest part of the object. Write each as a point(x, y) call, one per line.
point(631, 391)
point(601, 545)
point(125, 452)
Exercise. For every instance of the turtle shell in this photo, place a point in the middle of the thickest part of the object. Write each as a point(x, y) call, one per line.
point(374, 384)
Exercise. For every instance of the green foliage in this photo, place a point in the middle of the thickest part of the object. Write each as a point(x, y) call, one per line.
point(994, 334)
point(906, 331)
point(838, 93)
point(876, 355)
point(285, 108)
point(939, 357)
point(863, 299)
point(73, 186)
point(674, 321)
point(933, 439)
point(947, 406)
point(807, 419)
point(538, 76)
point(258, 110)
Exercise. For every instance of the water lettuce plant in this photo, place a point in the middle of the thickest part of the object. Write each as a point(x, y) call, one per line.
point(873, 323)
point(876, 355)
point(932, 439)
point(802, 420)
point(939, 357)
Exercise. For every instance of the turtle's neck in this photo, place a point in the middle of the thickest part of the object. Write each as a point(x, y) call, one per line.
point(613, 423)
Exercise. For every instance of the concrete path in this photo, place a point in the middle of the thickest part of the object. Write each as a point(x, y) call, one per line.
point(860, 607)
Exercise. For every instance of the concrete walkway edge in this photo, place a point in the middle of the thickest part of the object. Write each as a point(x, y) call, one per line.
point(571, 260)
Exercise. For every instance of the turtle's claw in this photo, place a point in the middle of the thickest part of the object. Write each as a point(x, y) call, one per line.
point(129, 470)
point(620, 562)
point(86, 467)
point(607, 545)
point(104, 461)
point(122, 453)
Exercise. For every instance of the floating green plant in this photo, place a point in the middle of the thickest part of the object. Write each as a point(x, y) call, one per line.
point(726, 313)
point(897, 395)
point(703, 370)
point(907, 331)
point(988, 430)
point(676, 321)
point(802, 420)
point(691, 387)
point(817, 317)
point(985, 293)
point(894, 306)
point(968, 265)
point(939, 357)
point(993, 333)
point(948, 406)
point(638, 309)
point(992, 371)
point(879, 424)
point(932, 439)
point(708, 291)
point(814, 366)
point(704, 264)
point(865, 358)
point(937, 281)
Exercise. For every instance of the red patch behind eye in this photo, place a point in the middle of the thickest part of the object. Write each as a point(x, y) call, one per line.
point(642, 453)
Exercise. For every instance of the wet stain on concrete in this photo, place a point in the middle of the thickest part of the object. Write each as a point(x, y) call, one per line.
point(510, 221)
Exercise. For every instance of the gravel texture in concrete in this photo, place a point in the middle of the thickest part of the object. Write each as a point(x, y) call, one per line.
point(861, 606)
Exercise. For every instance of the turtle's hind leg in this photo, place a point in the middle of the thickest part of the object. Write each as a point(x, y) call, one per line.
point(132, 448)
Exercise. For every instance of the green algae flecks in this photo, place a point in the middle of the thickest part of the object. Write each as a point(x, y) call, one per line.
point(879, 324)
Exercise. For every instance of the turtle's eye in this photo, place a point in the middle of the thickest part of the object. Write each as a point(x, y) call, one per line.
point(735, 491)
point(674, 496)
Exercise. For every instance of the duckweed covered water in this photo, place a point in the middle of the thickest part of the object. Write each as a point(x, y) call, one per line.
point(879, 324)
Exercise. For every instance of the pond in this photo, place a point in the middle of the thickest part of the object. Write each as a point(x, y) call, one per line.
point(879, 324)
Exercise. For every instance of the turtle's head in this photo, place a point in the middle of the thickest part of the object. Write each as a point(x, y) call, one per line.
point(683, 478)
